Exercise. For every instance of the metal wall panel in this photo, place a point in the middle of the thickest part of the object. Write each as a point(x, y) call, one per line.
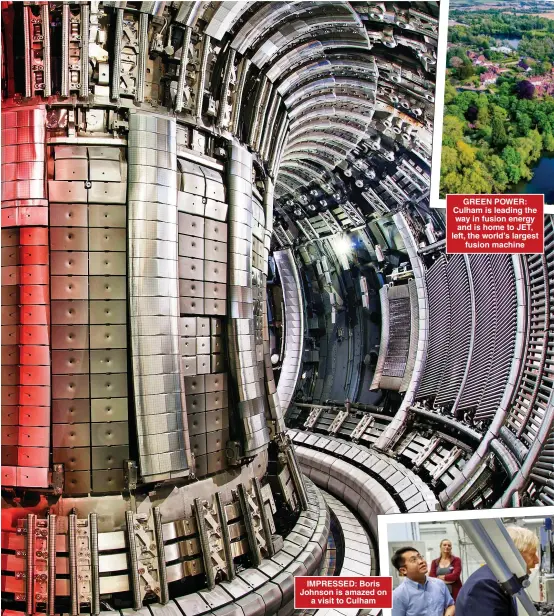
point(89, 316)
point(252, 431)
point(162, 457)
point(26, 366)
point(294, 326)
point(201, 269)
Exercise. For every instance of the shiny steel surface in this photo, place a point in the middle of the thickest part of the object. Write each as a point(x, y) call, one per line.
point(139, 297)
point(294, 328)
point(158, 282)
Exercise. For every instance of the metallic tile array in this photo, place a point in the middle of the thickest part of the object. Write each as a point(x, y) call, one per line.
point(154, 297)
point(245, 299)
point(369, 482)
point(88, 266)
point(202, 271)
point(26, 365)
point(156, 267)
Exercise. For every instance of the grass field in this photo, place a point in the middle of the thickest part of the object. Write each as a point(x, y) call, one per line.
point(545, 15)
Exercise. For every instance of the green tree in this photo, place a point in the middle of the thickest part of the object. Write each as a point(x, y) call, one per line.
point(450, 160)
point(548, 141)
point(483, 117)
point(523, 123)
point(466, 154)
point(543, 123)
point(475, 179)
point(498, 135)
point(449, 93)
point(453, 130)
point(466, 71)
point(497, 169)
point(512, 159)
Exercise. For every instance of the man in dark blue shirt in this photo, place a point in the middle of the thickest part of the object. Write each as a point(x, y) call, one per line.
point(482, 594)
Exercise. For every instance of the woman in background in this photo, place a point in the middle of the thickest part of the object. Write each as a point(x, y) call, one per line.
point(448, 568)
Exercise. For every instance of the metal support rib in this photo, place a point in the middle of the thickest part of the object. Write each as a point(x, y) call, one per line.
point(263, 516)
point(262, 117)
point(85, 33)
point(73, 585)
point(272, 116)
point(245, 65)
point(297, 478)
point(162, 572)
point(46, 55)
point(52, 527)
point(30, 564)
point(281, 148)
point(256, 557)
point(202, 77)
point(179, 98)
point(116, 76)
point(204, 542)
point(65, 50)
point(277, 142)
point(256, 110)
point(142, 57)
point(223, 524)
point(135, 579)
point(94, 564)
point(27, 40)
point(225, 87)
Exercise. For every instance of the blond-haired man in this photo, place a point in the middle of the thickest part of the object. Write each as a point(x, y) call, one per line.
point(482, 594)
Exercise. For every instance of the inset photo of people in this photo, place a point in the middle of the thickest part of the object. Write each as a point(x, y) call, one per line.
point(455, 564)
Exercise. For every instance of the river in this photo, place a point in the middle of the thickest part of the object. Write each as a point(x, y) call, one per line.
point(541, 182)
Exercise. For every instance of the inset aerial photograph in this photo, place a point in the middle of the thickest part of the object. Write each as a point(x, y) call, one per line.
point(498, 133)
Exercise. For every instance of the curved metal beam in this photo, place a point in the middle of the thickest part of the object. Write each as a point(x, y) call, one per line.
point(294, 326)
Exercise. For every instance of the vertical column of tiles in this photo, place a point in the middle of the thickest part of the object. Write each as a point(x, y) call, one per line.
point(243, 318)
point(25, 301)
point(10, 354)
point(33, 456)
point(217, 421)
point(108, 317)
point(203, 292)
point(154, 297)
point(275, 413)
point(258, 291)
point(69, 286)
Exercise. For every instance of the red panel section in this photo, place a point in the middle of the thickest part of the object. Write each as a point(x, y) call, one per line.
point(34, 236)
point(31, 477)
point(35, 294)
point(34, 375)
point(34, 395)
point(34, 456)
point(26, 395)
point(34, 255)
point(34, 356)
point(34, 416)
point(8, 475)
point(35, 314)
point(35, 334)
point(20, 216)
point(34, 274)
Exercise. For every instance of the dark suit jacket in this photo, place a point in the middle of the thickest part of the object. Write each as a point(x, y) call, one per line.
point(482, 595)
